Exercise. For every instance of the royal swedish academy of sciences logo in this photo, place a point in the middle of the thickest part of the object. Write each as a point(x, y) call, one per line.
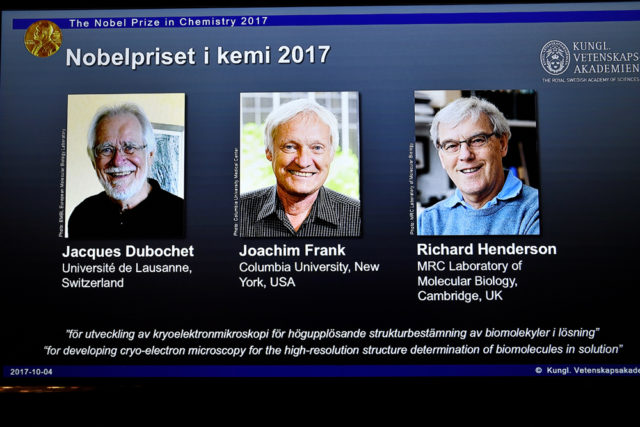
point(555, 57)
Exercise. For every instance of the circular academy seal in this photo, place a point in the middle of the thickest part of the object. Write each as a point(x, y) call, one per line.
point(555, 57)
point(43, 38)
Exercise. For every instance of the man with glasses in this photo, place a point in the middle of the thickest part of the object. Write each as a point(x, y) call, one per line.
point(121, 146)
point(472, 136)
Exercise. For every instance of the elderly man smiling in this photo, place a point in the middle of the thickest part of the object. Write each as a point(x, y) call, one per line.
point(472, 136)
point(122, 146)
point(301, 138)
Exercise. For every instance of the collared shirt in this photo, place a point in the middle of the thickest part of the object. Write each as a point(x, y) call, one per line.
point(513, 211)
point(261, 214)
point(160, 215)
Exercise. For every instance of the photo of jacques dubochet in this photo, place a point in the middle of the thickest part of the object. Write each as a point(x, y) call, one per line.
point(121, 146)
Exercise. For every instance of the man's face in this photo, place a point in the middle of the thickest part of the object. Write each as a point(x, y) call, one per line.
point(122, 176)
point(477, 172)
point(302, 154)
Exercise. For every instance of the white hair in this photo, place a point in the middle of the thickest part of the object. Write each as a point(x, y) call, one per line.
point(464, 108)
point(288, 111)
point(118, 110)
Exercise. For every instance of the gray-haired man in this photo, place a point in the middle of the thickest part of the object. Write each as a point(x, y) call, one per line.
point(121, 146)
point(301, 138)
point(472, 136)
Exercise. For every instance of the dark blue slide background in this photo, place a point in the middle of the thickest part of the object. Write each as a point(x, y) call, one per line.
point(588, 195)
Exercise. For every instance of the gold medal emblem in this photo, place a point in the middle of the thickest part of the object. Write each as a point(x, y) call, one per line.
point(43, 38)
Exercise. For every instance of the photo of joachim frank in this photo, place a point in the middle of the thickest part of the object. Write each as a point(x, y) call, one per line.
point(300, 142)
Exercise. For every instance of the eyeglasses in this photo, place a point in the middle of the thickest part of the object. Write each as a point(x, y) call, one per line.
point(107, 151)
point(476, 141)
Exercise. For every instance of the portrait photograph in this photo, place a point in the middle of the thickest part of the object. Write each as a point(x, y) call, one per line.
point(476, 162)
point(125, 162)
point(299, 164)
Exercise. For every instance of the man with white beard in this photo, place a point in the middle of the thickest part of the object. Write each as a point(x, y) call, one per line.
point(121, 146)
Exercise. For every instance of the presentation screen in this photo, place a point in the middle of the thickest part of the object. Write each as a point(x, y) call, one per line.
point(364, 191)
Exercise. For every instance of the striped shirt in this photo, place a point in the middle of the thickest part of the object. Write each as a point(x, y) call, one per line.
point(332, 215)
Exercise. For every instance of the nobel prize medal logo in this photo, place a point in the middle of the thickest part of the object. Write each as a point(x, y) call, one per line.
point(43, 38)
point(555, 57)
